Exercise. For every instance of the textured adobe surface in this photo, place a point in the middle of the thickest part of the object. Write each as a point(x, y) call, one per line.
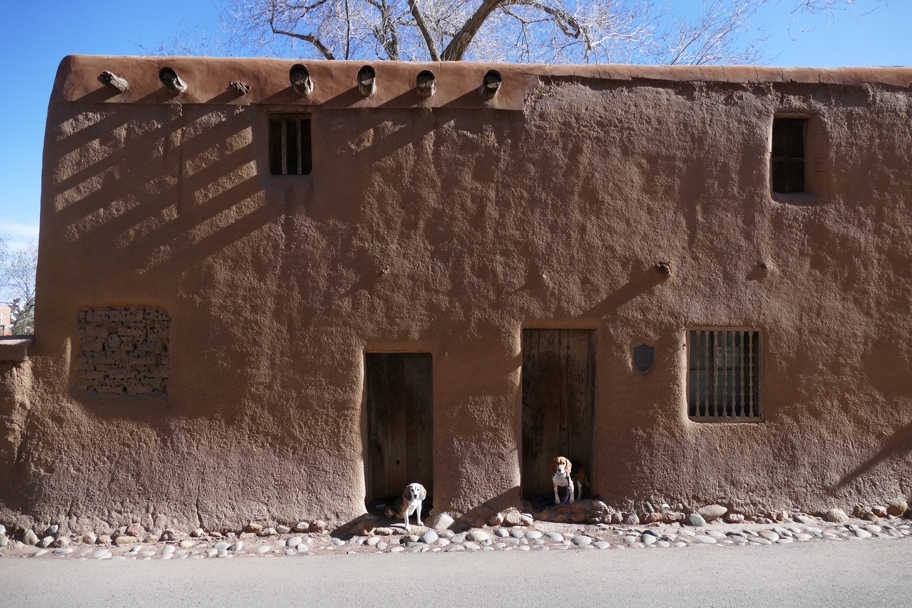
point(123, 350)
point(448, 229)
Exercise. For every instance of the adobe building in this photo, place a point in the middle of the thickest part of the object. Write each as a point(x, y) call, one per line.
point(274, 293)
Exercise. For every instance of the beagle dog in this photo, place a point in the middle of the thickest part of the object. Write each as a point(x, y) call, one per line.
point(561, 475)
point(409, 503)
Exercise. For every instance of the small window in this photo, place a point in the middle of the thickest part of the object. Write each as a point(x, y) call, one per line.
point(788, 155)
point(724, 381)
point(799, 160)
point(289, 145)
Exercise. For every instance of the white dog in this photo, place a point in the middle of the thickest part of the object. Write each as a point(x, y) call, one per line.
point(411, 500)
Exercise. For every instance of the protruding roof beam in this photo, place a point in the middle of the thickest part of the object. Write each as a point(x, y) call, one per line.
point(367, 81)
point(113, 81)
point(426, 83)
point(300, 79)
point(490, 84)
point(172, 81)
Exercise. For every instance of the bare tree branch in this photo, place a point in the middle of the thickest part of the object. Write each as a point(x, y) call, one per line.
point(306, 37)
point(422, 26)
point(599, 31)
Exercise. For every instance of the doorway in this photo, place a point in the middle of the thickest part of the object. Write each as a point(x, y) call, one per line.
point(558, 402)
point(399, 422)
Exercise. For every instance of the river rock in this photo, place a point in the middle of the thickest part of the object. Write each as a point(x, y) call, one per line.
point(429, 537)
point(581, 540)
point(712, 512)
point(135, 530)
point(479, 535)
point(837, 516)
point(897, 507)
point(440, 521)
point(513, 518)
point(30, 538)
point(694, 519)
point(631, 519)
point(495, 520)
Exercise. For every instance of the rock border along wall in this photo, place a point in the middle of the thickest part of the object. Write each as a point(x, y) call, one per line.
point(123, 350)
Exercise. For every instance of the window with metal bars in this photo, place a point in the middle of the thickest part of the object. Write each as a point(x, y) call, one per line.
point(289, 145)
point(724, 381)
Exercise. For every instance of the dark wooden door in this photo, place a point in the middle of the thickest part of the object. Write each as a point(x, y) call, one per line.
point(558, 402)
point(400, 422)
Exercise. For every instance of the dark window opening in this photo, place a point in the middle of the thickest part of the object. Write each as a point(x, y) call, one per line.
point(724, 377)
point(788, 155)
point(289, 146)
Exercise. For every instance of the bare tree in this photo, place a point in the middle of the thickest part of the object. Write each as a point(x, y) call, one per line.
point(17, 284)
point(549, 31)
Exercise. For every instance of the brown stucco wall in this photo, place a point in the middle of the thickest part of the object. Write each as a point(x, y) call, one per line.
point(447, 227)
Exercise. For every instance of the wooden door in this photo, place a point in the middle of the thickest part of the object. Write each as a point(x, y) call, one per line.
point(400, 422)
point(558, 402)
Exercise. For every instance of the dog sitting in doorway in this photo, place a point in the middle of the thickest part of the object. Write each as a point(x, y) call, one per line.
point(410, 502)
point(563, 477)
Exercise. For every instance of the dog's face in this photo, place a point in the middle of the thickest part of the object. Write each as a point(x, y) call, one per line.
point(413, 492)
point(561, 466)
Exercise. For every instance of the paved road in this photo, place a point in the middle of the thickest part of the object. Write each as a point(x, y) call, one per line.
point(864, 573)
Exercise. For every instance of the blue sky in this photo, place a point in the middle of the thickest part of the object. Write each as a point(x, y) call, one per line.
point(37, 36)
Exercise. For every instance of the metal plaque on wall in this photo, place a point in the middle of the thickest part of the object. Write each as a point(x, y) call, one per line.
point(643, 357)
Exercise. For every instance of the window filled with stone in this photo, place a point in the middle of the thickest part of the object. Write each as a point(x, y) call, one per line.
point(289, 145)
point(123, 350)
point(724, 379)
point(788, 169)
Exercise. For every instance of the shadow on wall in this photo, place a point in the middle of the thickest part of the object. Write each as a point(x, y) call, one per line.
point(168, 191)
point(896, 446)
point(640, 282)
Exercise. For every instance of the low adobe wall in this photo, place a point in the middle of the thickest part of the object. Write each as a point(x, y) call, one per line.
point(447, 227)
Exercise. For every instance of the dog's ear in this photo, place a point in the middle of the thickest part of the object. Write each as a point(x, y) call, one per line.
point(422, 494)
point(568, 465)
point(406, 498)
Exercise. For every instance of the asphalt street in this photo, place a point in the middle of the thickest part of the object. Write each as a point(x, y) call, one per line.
point(863, 573)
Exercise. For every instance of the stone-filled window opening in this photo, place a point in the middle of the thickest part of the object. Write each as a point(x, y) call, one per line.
point(799, 160)
point(289, 145)
point(725, 375)
point(123, 350)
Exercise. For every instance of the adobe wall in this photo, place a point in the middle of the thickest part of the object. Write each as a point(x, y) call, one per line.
point(448, 227)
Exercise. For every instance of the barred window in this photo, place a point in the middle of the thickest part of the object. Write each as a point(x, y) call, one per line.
point(724, 380)
point(289, 145)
